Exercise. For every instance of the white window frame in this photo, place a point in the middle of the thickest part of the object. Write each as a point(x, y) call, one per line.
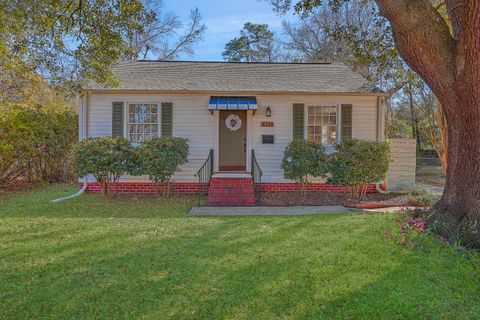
point(337, 115)
point(127, 118)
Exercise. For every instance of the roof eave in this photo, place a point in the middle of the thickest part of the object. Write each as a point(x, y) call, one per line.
point(110, 90)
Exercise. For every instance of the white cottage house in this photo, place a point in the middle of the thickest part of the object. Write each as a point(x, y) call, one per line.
point(237, 117)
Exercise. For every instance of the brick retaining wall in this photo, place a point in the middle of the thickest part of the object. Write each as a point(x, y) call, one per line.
point(193, 187)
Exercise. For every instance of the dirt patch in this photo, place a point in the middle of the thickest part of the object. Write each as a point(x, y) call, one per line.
point(325, 199)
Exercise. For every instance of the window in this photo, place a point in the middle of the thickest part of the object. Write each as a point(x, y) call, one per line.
point(142, 121)
point(322, 124)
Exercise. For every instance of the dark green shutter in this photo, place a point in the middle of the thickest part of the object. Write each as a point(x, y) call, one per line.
point(117, 119)
point(298, 121)
point(346, 123)
point(167, 119)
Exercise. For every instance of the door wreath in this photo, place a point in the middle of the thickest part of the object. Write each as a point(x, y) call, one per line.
point(233, 122)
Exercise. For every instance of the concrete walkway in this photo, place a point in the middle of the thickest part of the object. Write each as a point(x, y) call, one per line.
point(268, 211)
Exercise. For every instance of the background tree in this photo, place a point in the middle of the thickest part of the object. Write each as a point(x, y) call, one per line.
point(67, 41)
point(49, 49)
point(255, 44)
point(164, 36)
point(72, 41)
point(38, 125)
point(433, 125)
point(447, 57)
point(355, 34)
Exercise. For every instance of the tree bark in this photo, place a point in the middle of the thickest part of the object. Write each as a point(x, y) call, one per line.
point(450, 64)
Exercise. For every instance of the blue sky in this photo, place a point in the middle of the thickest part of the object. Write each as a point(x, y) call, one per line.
point(224, 20)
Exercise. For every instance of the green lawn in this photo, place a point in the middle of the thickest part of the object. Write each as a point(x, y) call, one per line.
point(144, 258)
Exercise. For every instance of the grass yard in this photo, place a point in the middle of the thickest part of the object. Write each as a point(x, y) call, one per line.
point(91, 258)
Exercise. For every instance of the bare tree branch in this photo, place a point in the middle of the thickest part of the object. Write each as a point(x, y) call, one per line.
point(163, 38)
point(185, 42)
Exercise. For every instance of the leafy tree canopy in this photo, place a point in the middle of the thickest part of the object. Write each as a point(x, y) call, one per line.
point(352, 32)
point(70, 41)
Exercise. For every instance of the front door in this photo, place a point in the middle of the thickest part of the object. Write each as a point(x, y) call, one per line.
point(232, 140)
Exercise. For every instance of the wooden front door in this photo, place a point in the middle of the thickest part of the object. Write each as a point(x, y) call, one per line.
point(232, 140)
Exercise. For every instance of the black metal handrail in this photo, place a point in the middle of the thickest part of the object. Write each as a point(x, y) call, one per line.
point(204, 175)
point(256, 172)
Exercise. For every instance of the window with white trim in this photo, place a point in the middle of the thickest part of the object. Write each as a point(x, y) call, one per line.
point(322, 124)
point(142, 121)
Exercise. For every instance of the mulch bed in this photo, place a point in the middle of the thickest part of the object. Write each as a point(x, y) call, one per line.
point(330, 198)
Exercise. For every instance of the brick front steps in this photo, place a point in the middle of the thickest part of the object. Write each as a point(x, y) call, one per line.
point(231, 192)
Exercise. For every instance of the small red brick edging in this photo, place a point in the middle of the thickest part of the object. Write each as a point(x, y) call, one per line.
point(291, 187)
point(144, 187)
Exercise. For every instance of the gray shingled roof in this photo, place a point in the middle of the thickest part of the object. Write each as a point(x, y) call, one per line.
point(239, 77)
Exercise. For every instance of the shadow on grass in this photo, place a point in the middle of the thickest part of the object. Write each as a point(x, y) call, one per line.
point(245, 268)
point(37, 203)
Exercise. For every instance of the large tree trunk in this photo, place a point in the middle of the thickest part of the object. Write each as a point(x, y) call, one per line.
point(450, 64)
point(458, 212)
point(459, 209)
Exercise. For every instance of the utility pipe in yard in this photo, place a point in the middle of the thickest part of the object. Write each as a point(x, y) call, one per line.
point(79, 193)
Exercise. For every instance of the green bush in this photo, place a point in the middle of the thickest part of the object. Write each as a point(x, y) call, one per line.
point(302, 159)
point(107, 159)
point(35, 142)
point(161, 158)
point(16, 150)
point(357, 163)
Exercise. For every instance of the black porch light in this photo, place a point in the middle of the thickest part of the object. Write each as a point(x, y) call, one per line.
point(268, 112)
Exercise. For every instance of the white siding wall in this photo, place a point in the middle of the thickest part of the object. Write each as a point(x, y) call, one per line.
point(192, 120)
point(269, 157)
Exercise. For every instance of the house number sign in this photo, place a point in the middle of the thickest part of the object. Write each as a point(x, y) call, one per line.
point(267, 124)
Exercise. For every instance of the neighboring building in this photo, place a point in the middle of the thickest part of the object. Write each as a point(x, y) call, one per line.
point(266, 105)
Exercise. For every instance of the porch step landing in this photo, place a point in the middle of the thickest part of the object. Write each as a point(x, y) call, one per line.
point(231, 191)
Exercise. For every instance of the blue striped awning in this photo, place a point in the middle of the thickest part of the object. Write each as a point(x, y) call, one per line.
point(232, 103)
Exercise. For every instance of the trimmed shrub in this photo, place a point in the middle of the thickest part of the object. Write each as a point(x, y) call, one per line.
point(107, 159)
point(358, 163)
point(302, 159)
point(161, 158)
